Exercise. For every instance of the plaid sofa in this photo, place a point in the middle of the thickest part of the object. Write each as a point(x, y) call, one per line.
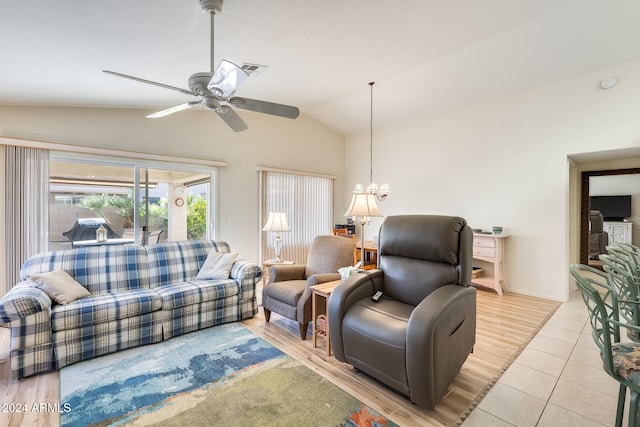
point(139, 295)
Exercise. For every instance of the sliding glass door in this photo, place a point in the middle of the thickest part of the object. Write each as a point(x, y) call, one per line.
point(139, 202)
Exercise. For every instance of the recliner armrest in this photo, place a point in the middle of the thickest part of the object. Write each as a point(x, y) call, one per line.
point(281, 273)
point(426, 315)
point(322, 278)
point(347, 293)
point(305, 298)
point(440, 334)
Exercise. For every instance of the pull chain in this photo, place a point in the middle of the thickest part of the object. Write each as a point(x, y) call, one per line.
point(371, 137)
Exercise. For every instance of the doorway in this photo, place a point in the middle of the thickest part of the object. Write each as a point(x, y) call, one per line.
point(584, 205)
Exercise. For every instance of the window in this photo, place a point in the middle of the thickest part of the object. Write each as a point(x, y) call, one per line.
point(169, 201)
point(307, 199)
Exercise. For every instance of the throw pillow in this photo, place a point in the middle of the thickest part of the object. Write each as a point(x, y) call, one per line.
point(217, 266)
point(60, 286)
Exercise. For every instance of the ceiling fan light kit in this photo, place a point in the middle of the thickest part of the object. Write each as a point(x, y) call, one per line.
point(214, 89)
point(227, 77)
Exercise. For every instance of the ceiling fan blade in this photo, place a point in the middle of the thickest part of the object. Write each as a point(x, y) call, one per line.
point(174, 109)
point(226, 79)
point(188, 92)
point(265, 107)
point(231, 118)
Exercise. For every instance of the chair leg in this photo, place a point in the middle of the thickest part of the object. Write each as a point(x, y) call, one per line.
point(303, 330)
point(633, 408)
point(622, 395)
point(267, 314)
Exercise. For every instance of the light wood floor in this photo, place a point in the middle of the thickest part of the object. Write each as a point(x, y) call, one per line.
point(504, 326)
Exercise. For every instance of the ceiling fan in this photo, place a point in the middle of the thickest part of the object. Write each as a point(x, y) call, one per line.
point(215, 89)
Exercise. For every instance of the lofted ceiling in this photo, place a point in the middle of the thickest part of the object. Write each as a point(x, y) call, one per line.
point(424, 55)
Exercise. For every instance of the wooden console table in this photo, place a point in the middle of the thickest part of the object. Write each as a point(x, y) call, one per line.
point(489, 248)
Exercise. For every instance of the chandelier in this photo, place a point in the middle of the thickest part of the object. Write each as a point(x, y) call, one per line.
point(383, 191)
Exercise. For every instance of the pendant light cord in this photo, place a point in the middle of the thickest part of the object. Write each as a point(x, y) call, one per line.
point(371, 137)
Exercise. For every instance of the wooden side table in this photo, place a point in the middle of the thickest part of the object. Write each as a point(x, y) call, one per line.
point(266, 267)
point(370, 255)
point(489, 248)
point(320, 306)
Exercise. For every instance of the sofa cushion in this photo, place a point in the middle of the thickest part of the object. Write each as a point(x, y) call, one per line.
point(104, 308)
point(217, 266)
point(374, 336)
point(288, 292)
point(60, 287)
point(101, 270)
point(176, 262)
point(193, 292)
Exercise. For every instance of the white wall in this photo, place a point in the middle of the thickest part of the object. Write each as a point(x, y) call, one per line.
point(301, 144)
point(503, 161)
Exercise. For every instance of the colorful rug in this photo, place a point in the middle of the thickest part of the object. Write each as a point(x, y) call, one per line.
point(223, 376)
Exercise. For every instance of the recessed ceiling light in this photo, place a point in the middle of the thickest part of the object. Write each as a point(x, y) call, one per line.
point(608, 83)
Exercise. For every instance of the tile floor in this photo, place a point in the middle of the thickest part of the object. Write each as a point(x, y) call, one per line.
point(556, 381)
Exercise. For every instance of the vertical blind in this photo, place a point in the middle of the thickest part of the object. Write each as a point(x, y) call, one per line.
point(26, 207)
point(308, 202)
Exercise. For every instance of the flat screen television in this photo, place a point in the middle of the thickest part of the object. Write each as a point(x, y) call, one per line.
point(613, 208)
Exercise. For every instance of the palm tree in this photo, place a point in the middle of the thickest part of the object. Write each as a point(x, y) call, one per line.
point(96, 203)
point(125, 207)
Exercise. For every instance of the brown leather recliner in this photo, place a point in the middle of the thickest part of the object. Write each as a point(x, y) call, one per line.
point(288, 292)
point(598, 238)
point(417, 336)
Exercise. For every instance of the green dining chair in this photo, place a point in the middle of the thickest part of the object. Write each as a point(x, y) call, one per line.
point(635, 250)
point(621, 360)
point(631, 253)
point(626, 288)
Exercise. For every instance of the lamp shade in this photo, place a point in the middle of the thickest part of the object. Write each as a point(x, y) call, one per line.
point(363, 204)
point(277, 221)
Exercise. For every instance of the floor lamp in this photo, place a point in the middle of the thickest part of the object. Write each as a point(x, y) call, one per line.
point(364, 205)
point(277, 223)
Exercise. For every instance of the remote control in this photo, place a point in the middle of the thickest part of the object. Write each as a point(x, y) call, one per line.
point(376, 297)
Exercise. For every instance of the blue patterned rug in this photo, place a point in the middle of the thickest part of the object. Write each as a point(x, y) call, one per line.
point(223, 376)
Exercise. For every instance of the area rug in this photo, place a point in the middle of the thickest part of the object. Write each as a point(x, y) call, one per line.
point(223, 376)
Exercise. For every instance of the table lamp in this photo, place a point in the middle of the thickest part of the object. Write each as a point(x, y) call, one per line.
point(277, 222)
point(363, 204)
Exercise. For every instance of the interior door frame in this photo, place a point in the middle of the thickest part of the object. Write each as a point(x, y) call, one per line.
point(584, 205)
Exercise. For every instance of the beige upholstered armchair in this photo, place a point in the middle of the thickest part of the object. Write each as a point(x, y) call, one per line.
point(288, 293)
point(416, 337)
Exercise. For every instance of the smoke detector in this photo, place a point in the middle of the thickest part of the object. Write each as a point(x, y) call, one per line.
point(608, 83)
